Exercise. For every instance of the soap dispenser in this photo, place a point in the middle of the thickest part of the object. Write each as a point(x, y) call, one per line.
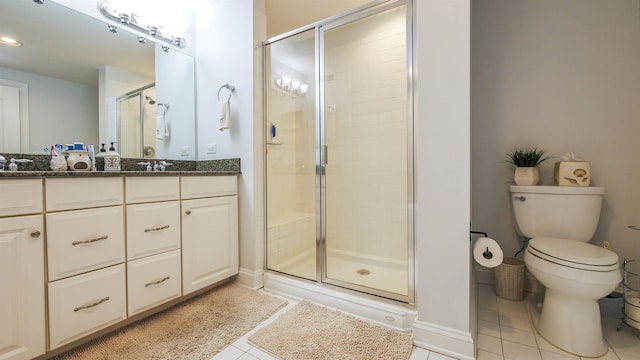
point(112, 159)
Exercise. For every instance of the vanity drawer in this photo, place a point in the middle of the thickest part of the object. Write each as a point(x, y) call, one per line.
point(86, 303)
point(83, 240)
point(152, 228)
point(82, 193)
point(20, 196)
point(153, 280)
point(193, 187)
point(150, 189)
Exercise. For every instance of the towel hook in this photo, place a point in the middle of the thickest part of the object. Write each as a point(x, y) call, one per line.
point(229, 87)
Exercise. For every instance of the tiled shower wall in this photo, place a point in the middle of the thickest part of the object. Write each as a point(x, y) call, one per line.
point(366, 132)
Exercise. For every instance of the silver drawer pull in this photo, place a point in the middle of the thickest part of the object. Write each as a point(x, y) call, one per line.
point(91, 305)
point(89, 241)
point(521, 198)
point(158, 281)
point(157, 229)
point(188, 212)
point(35, 234)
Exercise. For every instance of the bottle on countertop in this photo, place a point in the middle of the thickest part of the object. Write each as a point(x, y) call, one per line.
point(111, 159)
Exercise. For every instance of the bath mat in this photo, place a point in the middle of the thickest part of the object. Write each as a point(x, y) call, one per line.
point(313, 332)
point(196, 329)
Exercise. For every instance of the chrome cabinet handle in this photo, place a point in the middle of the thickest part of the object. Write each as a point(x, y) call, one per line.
point(157, 281)
point(188, 212)
point(157, 229)
point(91, 305)
point(89, 241)
point(35, 234)
point(521, 198)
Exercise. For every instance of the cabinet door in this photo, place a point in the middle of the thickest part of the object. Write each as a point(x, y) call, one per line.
point(209, 241)
point(22, 303)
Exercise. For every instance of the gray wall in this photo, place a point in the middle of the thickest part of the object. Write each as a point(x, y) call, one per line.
point(563, 75)
point(51, 119)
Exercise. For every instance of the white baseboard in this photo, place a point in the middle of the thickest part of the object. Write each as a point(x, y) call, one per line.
point(387, 314)
point(447, 341)
point(252, 279)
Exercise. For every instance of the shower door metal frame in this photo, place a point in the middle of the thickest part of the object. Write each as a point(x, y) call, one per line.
point(358, 13)
point(127, 96)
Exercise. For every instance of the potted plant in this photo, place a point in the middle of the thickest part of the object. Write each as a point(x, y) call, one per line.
point(526, 162)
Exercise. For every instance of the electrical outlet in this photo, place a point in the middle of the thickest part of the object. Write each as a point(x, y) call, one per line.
point(184, 151)
point(606, 245)
point(211, 148)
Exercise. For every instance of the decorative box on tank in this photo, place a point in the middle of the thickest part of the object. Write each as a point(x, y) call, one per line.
point(572, 173)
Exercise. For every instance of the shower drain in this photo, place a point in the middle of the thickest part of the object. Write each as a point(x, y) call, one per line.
point(363, 272)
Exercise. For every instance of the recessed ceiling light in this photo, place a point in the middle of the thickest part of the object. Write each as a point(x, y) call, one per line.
point(5, 40)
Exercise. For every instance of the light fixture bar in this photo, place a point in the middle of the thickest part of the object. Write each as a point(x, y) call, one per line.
point(129, 20)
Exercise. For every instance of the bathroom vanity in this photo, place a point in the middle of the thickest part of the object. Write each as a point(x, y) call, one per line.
point(85, 254)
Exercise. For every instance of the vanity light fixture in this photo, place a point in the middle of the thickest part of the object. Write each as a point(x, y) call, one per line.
point(39, 2)
point(5, 40)
point(134, 21)
point(142, 39)
point(165, 48)
point(291, 86)
point(113, 28)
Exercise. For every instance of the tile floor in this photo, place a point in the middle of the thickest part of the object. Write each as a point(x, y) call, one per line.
point(505, 332)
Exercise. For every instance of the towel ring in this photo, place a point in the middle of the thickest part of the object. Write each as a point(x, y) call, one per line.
point(165, 108)
point(229, 87)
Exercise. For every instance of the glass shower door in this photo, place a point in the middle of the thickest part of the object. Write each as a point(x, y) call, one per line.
point(368, 153)
point(291, 156)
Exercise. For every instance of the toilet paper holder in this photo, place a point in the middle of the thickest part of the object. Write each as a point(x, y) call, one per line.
point(486, 254)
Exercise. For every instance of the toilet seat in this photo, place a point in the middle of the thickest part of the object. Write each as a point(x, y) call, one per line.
point(574, 254)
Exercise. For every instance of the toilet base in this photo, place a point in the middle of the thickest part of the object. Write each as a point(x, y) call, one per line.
point(571, 324)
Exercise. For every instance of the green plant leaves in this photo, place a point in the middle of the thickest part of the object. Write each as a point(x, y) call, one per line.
point(527, 157)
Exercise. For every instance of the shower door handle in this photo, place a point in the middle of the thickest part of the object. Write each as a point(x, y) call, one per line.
point(323, 156)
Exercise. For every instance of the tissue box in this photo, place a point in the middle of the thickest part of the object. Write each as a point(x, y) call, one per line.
point(572, 173)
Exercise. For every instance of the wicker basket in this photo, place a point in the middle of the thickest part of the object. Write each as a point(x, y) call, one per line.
point(509, 278)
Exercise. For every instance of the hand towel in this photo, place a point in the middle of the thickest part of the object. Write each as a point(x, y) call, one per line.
point(161, 126)
point(225, 114)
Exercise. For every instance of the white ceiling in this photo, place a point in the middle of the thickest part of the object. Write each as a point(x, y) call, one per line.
point(62, 43)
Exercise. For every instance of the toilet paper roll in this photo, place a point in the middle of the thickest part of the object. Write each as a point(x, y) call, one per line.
point(487, 252)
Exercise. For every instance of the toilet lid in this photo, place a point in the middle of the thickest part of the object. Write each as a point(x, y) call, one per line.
point(574, 254)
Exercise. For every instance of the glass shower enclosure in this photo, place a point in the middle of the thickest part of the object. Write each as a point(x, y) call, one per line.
point(339, 152)
point(136, 114)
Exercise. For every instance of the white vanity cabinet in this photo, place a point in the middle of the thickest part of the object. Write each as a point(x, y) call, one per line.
point(209, 230)
point(22, 298)
point(82, 254)
point(153, 241)
point(86, 255)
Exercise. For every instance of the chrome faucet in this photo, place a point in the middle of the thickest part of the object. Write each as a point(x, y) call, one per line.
point(147, 164)
point(13, 166)
point(163, 165)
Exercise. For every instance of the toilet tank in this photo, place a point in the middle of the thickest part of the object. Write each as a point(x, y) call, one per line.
point(566, 212)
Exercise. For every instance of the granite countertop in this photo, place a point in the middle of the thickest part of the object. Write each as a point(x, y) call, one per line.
point(18, 174)
point(129, 166)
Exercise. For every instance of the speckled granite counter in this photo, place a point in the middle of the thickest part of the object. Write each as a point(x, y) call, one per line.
point(130, 167)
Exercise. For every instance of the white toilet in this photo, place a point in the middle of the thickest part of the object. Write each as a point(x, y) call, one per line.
point(560, 220)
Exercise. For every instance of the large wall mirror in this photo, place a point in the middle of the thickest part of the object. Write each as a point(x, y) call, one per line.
point(74, 80)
